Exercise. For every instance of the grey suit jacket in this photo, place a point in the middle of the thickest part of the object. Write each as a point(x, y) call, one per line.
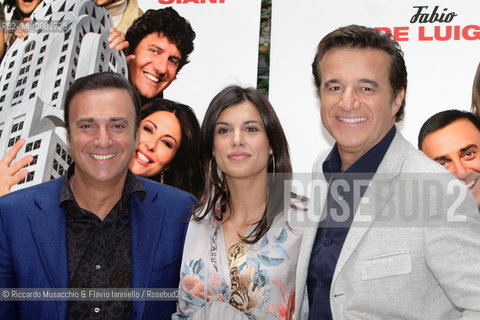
point(413, 250)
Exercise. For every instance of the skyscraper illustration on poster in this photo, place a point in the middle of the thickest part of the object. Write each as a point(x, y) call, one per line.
point(67, 39)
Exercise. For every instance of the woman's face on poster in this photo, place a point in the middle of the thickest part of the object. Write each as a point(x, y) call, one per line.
point(159, 138)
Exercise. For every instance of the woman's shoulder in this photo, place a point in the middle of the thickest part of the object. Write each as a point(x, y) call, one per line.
point(198, 239)
point(204, 225)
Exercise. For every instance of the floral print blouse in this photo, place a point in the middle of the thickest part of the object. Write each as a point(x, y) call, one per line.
point(254, 282)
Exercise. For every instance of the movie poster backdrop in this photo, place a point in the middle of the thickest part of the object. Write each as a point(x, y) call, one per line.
point(69, 39)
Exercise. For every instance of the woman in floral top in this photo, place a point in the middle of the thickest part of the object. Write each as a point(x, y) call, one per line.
point(240, 252)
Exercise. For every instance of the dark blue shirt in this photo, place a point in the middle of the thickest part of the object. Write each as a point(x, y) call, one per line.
point(337, 217)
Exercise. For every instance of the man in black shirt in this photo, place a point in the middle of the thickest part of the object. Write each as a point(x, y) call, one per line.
point(99, 226)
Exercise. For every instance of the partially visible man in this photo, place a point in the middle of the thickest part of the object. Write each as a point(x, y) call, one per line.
point(452, 139)
point(160, 42)
point(122, 12)
point(384, 248)
point(99, 226)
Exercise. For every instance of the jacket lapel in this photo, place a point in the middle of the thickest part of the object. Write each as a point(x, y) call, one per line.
point(364, 216)
point(315, 209)
point(144, 223)
point(50, 233)
point(49, 230)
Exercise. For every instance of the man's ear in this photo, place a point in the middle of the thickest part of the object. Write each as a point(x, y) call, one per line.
point(397, 101)
point(130, 58)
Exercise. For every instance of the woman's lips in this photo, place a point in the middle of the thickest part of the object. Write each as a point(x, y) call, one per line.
point(143, 158)
point(238, 155)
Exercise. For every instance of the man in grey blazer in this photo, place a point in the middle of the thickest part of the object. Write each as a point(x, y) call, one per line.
point(394, 235)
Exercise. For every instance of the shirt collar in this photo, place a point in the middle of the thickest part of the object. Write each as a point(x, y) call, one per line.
point(132, 185)
point(368, 163)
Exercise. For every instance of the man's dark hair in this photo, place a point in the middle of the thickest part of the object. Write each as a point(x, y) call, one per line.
point(442, 119)
point(166, 22)
point(354, 36)
point(2, 12)
point(99, 81)
point(476, 92)
point(9, 5)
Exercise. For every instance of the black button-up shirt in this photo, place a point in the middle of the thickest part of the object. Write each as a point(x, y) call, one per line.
point(99, 251)
point(342, 203)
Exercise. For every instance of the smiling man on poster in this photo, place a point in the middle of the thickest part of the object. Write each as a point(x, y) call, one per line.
point(160, 42)
point(452, 139)
point(386, 247)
